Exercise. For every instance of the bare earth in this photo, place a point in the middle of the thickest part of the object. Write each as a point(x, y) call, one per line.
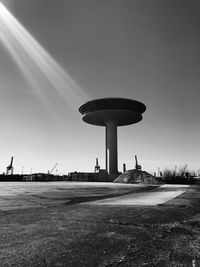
point(99, 224)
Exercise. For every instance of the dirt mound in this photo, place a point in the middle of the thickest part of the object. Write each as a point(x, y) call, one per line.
point(136, 176)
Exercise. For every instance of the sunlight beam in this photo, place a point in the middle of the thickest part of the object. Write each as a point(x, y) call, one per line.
point(37, 66)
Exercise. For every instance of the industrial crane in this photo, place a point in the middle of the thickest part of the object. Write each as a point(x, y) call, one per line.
point(10, 169)
point(97, 167)
point(49, 172)
point(137, 166)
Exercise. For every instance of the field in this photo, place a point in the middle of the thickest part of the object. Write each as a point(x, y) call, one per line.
point(99, 224)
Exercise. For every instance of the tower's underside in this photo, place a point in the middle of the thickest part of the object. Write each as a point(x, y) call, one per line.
point(112, 112)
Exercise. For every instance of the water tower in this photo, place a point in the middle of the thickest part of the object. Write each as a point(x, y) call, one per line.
point(111, 113)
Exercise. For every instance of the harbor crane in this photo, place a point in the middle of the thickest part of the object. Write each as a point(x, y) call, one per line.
point(97, 167)
point(49, 172)
point(10, 169)
point(137, 166)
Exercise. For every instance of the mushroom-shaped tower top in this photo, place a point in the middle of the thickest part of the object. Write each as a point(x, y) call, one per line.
point(120, 111)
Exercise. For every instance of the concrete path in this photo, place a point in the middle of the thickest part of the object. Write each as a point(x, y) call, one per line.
point(157, 196)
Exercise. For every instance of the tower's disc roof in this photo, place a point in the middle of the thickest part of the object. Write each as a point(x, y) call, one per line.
point(112, 103)
point(121, 111)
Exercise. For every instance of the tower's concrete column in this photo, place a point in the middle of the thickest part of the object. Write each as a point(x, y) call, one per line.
point(111, 149)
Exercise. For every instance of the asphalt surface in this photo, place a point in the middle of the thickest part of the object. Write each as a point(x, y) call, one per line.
point(98, 224)
point(16, 195)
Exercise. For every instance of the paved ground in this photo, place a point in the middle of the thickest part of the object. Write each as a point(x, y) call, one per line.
point(158, 195)
point(98, 224)
point(16, 195)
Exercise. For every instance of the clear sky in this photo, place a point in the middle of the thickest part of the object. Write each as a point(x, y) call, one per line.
point(55, 55)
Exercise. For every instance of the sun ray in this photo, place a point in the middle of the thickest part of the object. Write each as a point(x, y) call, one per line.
point(36, 64)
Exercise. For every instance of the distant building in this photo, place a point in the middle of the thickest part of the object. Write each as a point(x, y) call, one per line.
point(100, 176)
point(42, 177)
point(11, 178)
